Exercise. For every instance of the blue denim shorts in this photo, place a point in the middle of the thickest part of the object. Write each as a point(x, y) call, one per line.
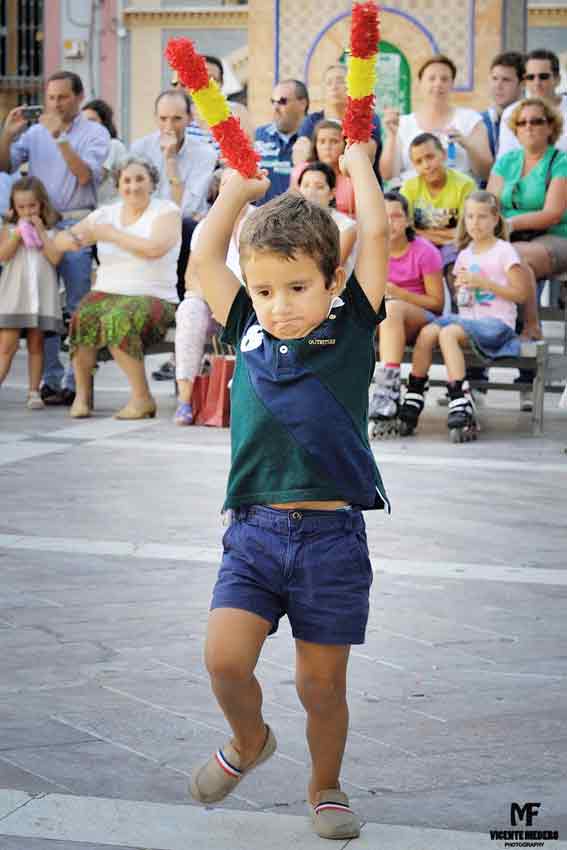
point(311, 565)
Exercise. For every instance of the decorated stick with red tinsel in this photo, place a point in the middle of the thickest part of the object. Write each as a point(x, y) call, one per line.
point(361, 76)
point(236, 148)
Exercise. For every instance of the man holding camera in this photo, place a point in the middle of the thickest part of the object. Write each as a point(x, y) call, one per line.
point(66, 152)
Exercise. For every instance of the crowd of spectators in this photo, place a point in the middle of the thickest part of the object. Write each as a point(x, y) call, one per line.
point(115, 225)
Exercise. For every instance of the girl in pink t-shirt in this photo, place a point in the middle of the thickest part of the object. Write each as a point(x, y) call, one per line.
point(414, 297)
point(490, 281)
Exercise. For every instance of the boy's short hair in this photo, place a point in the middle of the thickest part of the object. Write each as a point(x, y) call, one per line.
point(289, 225)
point(510, 59)
point(423, 139)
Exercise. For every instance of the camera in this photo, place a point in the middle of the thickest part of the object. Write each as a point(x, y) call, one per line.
point(32, 113)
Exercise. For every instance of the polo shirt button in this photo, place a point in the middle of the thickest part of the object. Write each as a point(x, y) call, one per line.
point(296, 515)
point(283, 349)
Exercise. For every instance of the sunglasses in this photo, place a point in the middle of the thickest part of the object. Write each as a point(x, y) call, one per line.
point(543, 76)
point(282, 101)
point(531, 122)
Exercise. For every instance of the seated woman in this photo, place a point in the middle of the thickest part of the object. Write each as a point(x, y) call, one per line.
point(317, 183)
point(531, 183)
point(132, 302)
point(327, 146)
point(414, 297)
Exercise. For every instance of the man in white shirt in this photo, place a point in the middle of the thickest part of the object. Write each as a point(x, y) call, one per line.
point(541, 78)
point(185, 166)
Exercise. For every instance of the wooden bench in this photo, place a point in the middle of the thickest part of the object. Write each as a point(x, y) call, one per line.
point(533, 356)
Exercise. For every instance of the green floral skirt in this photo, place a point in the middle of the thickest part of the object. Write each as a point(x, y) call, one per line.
point(129, 322)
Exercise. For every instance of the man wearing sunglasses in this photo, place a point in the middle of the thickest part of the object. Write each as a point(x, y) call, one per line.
point(275, 141)
point(541, 78)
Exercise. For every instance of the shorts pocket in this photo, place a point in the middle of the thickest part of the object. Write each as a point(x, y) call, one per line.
point(360, 546)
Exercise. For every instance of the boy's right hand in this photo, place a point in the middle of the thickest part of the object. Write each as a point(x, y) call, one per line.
point(249, 189)
point(355, 151)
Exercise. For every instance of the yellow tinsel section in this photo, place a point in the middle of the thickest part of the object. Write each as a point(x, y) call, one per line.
point(361, 76)
point(212, 104)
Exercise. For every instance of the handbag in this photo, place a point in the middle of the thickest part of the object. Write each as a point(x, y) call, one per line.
point(528, 235)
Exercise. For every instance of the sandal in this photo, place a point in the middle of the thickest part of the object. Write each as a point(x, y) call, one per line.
point(332, 816)
point(219, 776)
point(183, 414)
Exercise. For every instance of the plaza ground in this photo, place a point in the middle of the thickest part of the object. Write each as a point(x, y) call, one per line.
point(109, 544)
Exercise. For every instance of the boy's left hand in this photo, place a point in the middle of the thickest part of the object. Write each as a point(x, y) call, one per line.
point(354, 152)
point(249, 189)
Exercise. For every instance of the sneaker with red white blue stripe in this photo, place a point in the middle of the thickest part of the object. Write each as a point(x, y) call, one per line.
point(332, 816)
point(219, 776)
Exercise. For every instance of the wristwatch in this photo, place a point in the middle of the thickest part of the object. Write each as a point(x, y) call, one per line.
point(61, 139)
point(175, 181)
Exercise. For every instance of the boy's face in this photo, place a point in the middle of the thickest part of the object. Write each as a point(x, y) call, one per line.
point(428, 161)
point(289, 296)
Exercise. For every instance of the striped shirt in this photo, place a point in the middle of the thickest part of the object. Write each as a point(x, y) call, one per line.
point(275, 152)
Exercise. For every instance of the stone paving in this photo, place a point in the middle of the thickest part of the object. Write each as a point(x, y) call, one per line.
point(109, 542)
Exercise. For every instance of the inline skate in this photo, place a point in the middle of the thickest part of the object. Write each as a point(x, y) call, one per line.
point(462, 419)
point(384, 403)
point(414, 402)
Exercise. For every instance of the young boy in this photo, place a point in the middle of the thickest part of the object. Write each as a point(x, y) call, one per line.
point(301, 471)
point(437, 195)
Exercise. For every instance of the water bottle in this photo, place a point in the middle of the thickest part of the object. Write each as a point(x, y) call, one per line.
point(466, 297)
point(451, 153)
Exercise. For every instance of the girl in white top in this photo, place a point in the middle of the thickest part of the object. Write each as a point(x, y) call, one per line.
point(132, 303)
point(460, 130)
point(317, 183)
point(29, 295)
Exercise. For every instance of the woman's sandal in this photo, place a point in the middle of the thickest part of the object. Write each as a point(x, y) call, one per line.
point(137, 410)
point(332, 816)
point(219, 776)
point(79, 409)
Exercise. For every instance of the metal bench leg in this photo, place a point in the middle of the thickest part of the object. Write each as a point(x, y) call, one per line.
point(539, 389)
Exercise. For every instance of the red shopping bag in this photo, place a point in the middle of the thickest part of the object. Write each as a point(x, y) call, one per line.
point(199, 394)
point(216, 410)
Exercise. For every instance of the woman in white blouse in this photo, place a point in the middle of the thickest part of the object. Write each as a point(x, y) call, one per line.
point(460, 130)
point(132, 303)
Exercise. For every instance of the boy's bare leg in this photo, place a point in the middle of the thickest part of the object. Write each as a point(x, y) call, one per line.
point(321, 687)
point(234, 641)
point(451, 340)
point(423, 350)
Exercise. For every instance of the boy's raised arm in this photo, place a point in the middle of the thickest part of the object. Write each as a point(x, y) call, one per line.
point(373, 232)
point(218, 283)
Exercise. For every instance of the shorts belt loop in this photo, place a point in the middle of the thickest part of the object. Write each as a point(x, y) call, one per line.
point(349, 525)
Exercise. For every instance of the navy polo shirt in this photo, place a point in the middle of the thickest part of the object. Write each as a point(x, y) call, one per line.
point(275, 152)
point(299, 408)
